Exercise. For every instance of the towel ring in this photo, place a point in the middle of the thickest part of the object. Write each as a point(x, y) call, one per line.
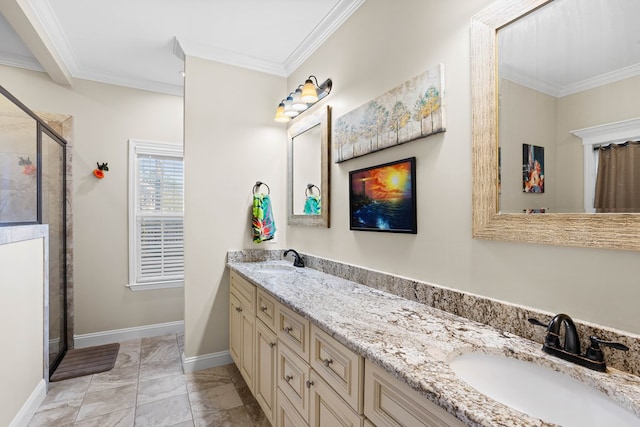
point(257, 187)
point(310, 189)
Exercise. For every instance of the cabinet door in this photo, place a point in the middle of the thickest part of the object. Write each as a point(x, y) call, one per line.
point(235, 329)
point(265, 378)
point(327, 409)
point(248, 348)
point(388, 402)
point(286, 415)
point(293, 375)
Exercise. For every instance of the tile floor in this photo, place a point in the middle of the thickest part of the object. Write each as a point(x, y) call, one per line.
point(147, 387)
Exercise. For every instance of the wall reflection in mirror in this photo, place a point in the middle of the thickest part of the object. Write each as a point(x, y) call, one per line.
point(308, 164)
point(568, 81)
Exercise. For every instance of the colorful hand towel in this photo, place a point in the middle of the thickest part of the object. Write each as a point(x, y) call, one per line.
point(312, 205)
point(263, 225)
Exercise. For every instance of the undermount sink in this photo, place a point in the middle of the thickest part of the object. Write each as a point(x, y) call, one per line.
point(540, 391)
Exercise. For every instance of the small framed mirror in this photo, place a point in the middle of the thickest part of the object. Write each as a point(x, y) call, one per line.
point(308, 164)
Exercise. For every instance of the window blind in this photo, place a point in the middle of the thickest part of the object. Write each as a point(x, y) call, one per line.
point(159, 218)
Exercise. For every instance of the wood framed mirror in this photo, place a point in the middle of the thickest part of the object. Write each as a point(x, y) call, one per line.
point(309, 140)
point(619, 231)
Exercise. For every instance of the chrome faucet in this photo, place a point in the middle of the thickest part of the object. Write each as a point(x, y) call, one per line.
point(570, 349)
point(298, 260)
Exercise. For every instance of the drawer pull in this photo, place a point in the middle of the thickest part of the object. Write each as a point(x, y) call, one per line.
point(272, 344)
point(327, 362)
point(238, 309)
point(288, 378)
point(263, 309)
point(309, 384)
point(288, 329)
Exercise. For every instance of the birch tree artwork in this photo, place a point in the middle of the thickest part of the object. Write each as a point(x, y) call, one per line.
point(410, 111)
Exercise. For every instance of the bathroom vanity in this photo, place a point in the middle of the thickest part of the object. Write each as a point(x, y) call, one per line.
point(319, 350)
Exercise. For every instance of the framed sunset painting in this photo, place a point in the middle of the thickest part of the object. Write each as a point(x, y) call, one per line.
point(383, 197)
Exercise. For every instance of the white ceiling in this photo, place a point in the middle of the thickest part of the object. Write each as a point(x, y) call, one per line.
point(133, 42)
point(569, 46)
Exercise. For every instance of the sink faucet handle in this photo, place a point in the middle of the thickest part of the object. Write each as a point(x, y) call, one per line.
point(537, 322)
point(595, 353)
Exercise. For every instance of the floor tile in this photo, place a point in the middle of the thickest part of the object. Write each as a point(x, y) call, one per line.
point(106, 401)
point(128, 354)
point(159, 369)
point(116, 377)
point(123, 418)
point(215, 399)
point(62, 415)
point(164, 413)
point(63, 391)
point(208, 378)
point(161, 388)
point(235, 417)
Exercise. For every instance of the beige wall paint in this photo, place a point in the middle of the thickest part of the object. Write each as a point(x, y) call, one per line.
point(231, 141)
point(105, 117)
point(526, 117)
point(381, 46)
point(21, 314)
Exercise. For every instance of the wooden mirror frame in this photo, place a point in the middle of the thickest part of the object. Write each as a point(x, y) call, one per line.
point(616, 231)
point(323, 117)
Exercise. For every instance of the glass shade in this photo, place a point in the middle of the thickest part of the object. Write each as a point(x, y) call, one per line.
point(309, 93)
point(280, 117)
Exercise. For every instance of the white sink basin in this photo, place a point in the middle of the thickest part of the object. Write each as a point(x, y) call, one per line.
point(540, 392)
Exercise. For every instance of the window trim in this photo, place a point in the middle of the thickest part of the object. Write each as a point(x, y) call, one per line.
point(157, 148)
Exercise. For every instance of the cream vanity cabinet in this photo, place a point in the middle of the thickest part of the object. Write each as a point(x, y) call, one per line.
point(303, 377)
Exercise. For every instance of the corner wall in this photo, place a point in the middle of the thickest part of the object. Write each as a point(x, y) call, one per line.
point(231, 141)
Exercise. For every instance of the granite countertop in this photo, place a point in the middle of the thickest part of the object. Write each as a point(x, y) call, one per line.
point(415, 342)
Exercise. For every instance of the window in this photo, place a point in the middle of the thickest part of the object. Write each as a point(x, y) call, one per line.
point(156, 215)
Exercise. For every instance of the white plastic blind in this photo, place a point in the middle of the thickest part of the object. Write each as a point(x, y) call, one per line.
point(159, 218)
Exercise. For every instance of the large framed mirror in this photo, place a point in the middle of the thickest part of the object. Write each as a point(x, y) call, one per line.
point(308, 169)
point(518, 102)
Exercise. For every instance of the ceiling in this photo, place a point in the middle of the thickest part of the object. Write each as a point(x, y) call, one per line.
point(141, 43)
point(569, 46)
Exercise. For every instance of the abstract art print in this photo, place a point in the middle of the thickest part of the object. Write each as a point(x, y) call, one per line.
point(383, 197)
point(410, 111)
point(532, 169)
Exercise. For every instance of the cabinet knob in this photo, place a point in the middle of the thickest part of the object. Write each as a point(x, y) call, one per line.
point(327, 362)
point(238, 309)
point(263, 309)
point(288, 329)
point(288, 378)
point(272, 344)
point(309, 384)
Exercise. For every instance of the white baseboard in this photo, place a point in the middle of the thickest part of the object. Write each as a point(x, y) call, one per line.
point(206, 361)
point(119, 335)
point(30, 406)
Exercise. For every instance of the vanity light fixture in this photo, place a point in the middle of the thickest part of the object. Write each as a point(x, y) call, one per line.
point(302, 98)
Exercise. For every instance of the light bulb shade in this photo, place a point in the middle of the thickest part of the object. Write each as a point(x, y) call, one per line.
point(288, 109)
point(309, 93)
point(297, 103)
point(280, 117)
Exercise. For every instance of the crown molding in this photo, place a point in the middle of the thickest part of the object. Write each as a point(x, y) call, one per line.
point(144, 84)
point(334, 19)
point(20, 61)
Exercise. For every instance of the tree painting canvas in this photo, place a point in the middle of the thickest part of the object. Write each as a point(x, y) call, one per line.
point(383, 198)
point(410, 111)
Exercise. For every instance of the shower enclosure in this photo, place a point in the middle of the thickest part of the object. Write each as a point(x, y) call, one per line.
point(33, 190)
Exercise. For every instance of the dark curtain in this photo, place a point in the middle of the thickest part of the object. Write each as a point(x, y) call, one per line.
point(618, 179)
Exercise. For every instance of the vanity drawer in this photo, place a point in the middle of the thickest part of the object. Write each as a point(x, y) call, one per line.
point(266, 310)
point(244, 291)
point(286, 415)
point(340, 367)
point(293, 374)
point(388, 402)
point(327, 409)
point(293, 330)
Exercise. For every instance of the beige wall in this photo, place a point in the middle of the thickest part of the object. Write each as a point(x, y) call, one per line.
point(526, 117)
point(21, 314)
point(105, 117)
point(230, 143)
point(381, 46)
